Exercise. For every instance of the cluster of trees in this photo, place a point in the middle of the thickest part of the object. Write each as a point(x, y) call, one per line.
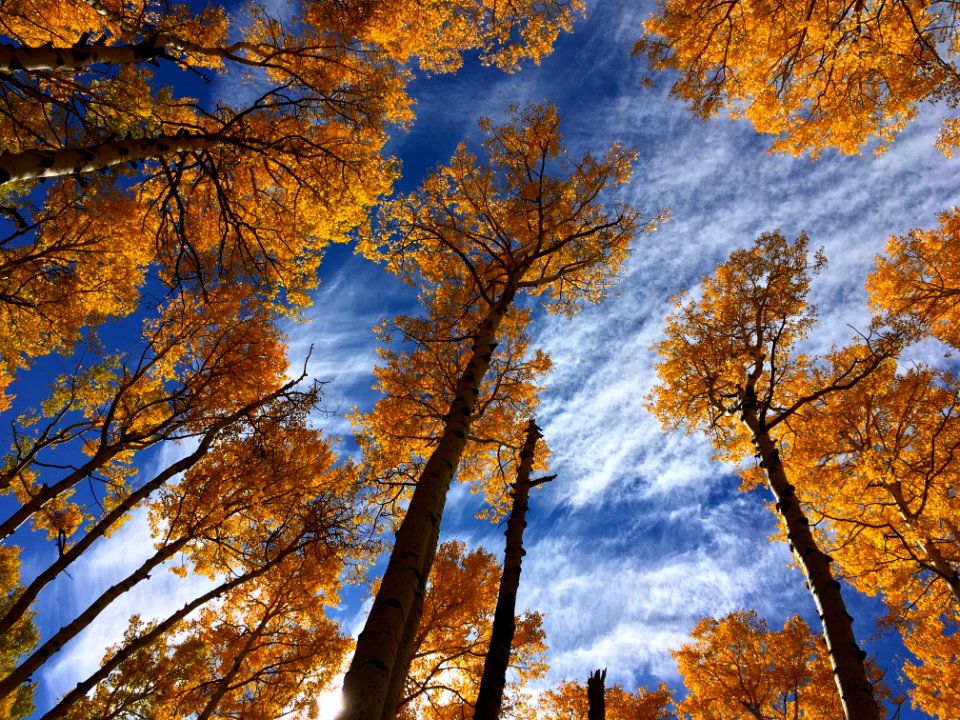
point(195, 227)
point(856, 447)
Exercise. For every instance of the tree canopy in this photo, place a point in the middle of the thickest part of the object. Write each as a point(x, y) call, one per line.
point(171, 180)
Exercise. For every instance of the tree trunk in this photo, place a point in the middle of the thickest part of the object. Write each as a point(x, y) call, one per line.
point(376, 658)
point(846, 657)
point(79, 56)
point(596, 704)
point(494, 678)
point(408, 645)
point(34, 164)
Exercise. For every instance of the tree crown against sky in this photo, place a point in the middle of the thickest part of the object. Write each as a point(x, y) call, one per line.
point(813, 74)
point(528, 221)
point(132, 418)
point(249, 187)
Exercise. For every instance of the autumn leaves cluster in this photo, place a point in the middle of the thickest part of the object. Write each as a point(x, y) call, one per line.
point(154, 241)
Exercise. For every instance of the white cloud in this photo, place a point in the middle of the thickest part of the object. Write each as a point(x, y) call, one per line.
point(624, 599)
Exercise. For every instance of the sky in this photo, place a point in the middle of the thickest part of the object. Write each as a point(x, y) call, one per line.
point(641, 534)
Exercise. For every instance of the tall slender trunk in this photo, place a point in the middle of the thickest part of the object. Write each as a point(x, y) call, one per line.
point(846, 657)
point(34, 164)
point(79, 56)
point(379, 645)
point(408, 646)
point(156, 46)
point(494, 677)
point(596, 703)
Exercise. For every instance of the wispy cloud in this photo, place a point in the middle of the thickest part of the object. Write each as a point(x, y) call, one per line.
point(338, 338)
point(96, 571)
point(624, 597)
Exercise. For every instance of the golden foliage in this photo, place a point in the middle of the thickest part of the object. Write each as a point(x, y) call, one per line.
point(736, 668)
point(935, 669)
point(918, 281)
point(744, 320)
point(437, 32)
point(264, 650)
point(529, 221)
point(569, 701)
point(813, 74)
point(529, 218)
point(882, 473)
point(454, 635)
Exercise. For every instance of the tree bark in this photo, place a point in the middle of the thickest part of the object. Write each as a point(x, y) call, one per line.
point(377, 656)
point(846, 657)
point(596, 703)
point(494, 677)
point(34, 164)
point(408, 646)
point(79, 56)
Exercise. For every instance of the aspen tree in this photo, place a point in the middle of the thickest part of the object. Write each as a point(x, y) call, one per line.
point(271, 520)
point(479, 235)
point(494, 678)
point(261, 651)
point(729, 368)
point(884, 478)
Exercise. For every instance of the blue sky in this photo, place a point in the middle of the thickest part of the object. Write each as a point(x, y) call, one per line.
point(641, 534)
